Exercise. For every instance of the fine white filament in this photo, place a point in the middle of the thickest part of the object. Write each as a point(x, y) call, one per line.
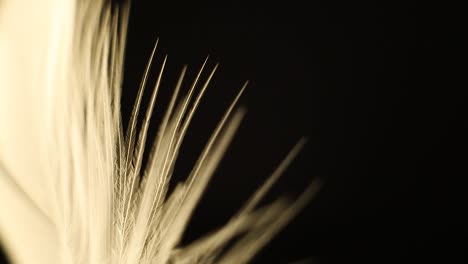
point(73, 184)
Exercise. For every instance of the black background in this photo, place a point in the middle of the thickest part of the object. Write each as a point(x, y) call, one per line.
point(364, 83)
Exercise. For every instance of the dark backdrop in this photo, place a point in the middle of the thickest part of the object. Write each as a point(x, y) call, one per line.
point(363, 82)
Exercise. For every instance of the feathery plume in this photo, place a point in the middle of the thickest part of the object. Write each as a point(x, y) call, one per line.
point(73, 184)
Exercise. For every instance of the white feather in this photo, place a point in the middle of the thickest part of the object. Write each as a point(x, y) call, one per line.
point(73, 187)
